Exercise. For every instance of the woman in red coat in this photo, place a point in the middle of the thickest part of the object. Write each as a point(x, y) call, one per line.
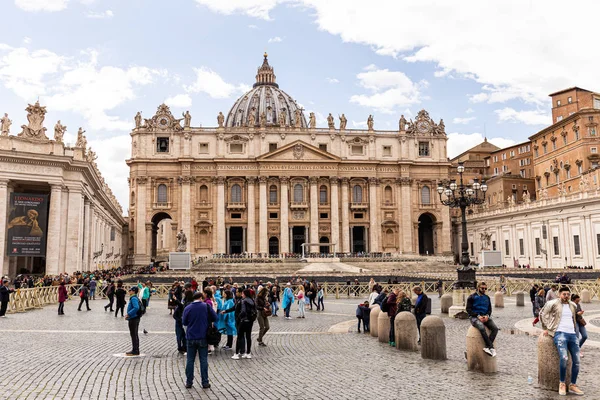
point(62, 297)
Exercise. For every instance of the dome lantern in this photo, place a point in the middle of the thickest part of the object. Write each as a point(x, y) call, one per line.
point(265, 74)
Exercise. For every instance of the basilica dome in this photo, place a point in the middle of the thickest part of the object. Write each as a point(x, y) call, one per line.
point(266, 101)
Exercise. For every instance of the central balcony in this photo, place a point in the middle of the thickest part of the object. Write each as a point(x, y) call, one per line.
point(236, 206)
point(359, 206)
point(299, 205)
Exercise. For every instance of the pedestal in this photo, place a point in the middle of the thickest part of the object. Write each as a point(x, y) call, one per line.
point(180, 260)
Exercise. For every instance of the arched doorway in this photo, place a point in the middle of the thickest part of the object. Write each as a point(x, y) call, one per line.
point(426, 222)
point(324, 249)
point(273, 246)
point(162, 237)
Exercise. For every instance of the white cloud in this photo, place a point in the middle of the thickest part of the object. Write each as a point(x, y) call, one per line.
point(26, 40)
point(460, 142)
point(73, 84)
point(111, 155)
point(99, 15)
point(254, 8)
point(252, 26)
point(532, 117)
point(515, 63)
point(389, 90)
point(359, 124)
point(370, 67)
point(180, 100)
point(211, 83)
point(275, 39)
point(42, 5)
point(469, 110)
point(459, 120)
point(332, 80)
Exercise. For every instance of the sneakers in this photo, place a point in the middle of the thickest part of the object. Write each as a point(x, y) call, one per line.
point(130, 354)
point(210, 352)
point(226, 347)
point(574, 389)
point(235, 357)
point(393, 344)
point(248, 355)
point(188, 385)
point(562, 389)
point(288, 317)
point(262, 344)
point(489, 351)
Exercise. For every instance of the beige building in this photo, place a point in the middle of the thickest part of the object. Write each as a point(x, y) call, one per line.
point(79, 223)
point(266, 180)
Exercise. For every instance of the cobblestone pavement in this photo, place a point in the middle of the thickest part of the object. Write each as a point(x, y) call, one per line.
point(71, 357)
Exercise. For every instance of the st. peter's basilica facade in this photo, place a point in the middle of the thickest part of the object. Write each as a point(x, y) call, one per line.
point(266, 180)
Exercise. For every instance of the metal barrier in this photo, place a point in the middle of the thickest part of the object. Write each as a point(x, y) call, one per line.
point(27, 299)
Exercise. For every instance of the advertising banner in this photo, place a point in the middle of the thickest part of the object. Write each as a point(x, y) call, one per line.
point(27, 224)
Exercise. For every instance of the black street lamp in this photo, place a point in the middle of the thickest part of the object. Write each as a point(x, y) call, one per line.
point(462, 196)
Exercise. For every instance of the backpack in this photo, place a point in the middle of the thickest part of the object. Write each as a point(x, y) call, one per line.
point(385, 307)
point(251, 312)
point(142, 309)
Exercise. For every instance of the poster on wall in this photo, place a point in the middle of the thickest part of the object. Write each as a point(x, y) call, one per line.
point(27, 224)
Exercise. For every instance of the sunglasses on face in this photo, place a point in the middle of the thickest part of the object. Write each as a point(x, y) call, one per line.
point(482, 288)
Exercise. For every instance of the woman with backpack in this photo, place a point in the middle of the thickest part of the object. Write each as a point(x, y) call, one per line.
point(245, 320)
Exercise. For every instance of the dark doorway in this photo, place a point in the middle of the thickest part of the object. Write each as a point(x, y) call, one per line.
point(155, 221)
point(324, 249)
point(426, 234)
point(298, 237)
point(273, 246)
point(236, 238)
point(358, 239)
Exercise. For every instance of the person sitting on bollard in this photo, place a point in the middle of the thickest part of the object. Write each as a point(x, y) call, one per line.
point(479, 308)
point(420, 308)
point(558, 319)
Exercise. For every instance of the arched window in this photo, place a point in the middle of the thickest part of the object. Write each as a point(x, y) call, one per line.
point(298, 193)
point(425, 195)
point(357, 194)
point(323, 194)
point(162, 193)
point(236, 194)
point(273, 194)
point(203, 194)
point(388, 195)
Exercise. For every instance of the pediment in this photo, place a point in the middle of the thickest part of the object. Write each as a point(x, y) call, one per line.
point(298, 151)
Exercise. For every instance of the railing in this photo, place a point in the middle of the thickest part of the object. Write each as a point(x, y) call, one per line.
point(359, 206)
point(161, 205)
point(236, 206)
point(27, 299)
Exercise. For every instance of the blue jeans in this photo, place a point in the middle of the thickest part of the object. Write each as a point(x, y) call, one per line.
point(287, 310)
point(180, 333)
point(567, 342)
point(274, 308)
point(201, 347)
point(93, 294)
point(320, 305)
point(584, 335)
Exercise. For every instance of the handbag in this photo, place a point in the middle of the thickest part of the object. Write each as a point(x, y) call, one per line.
point(582, 322)
point(267, 310)
point(213, 336)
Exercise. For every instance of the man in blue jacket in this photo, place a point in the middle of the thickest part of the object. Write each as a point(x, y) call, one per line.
point(133, 317)
point(479, 308)
point(197, 317)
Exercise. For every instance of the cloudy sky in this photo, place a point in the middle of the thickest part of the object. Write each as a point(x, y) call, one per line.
point(485, 67)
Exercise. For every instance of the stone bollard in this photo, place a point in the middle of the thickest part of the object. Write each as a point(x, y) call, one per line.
point(585, 296)
point(548, 372)
point(498, 300)
point(405, 328)
point(433, 338)
point(446, 302)
point(375, 310)
point(383, 327)
point(520, 299)
point(477, 359)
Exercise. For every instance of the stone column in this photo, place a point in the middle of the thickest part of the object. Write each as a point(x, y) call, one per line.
point(86, 234)
point(345, 217)
point(93, 237)
point(406, 216)
point(251, 228)
point(314, 212)
point(335, 213)
point(221, 240)
point(284, 206)
point(3, 211)
point(74, 234)
point(374, 208)
point(262, 228)
point(53, 234)
point(64, 217)
point(140, 222)
point(185, 222)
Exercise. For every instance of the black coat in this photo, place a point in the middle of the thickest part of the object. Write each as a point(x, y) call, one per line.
point(5, 293)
